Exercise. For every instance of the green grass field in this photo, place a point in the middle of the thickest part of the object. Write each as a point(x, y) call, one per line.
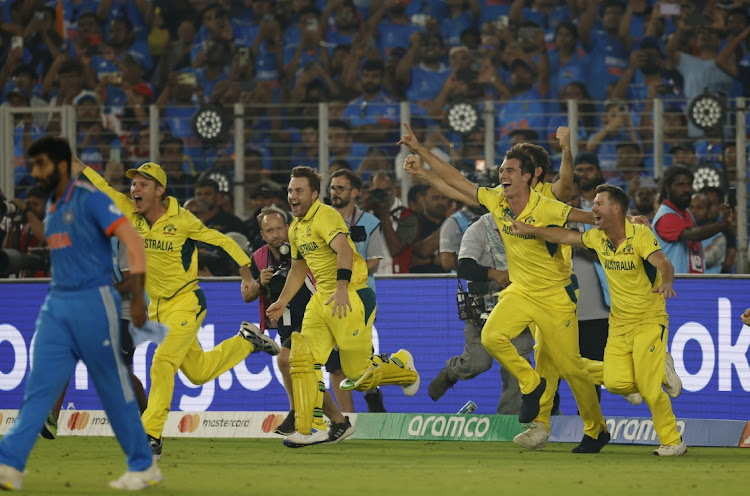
point(78, 466)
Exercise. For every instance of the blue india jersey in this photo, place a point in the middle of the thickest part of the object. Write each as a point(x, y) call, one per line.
point(77, 229)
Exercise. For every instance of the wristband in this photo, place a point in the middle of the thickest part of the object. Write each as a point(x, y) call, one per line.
point(344, 275)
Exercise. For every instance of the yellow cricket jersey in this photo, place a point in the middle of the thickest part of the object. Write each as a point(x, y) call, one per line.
point(309, 238)
point(171, 254)
point(545, 189)
point(533, 264)
point(631, 278)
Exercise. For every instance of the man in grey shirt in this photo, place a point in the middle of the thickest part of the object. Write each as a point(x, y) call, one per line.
point(481, 259)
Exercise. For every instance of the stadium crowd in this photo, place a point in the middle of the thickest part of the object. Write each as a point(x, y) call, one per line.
point(112, 59)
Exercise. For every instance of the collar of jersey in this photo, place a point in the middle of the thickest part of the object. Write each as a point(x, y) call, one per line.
point(534, 198)
point(65, 197)
point(629, 234)
point(313, 209)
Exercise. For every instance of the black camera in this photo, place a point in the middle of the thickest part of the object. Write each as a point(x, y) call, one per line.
point(13, 261)
point(11, 210)
point(280, 272)
point(476, 303)
point(358, 233)
point(378, 195)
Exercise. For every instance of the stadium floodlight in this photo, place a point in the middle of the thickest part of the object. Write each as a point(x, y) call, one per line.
point(221, 179)
point(462, 118)
point(708, 175)
point(707, 111)
point(210, 124)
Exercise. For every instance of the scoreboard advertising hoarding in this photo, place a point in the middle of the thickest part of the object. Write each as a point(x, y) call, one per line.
point(707, 339)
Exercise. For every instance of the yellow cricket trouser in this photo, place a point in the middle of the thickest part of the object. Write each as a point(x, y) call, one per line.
point(352, 333)
point(556, 350)
point(184, 315)
point(634, 362)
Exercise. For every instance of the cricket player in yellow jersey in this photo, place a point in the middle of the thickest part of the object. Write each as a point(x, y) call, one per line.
point(170, 232)
point(341, 312)
point(640, 279)
point(541, 292)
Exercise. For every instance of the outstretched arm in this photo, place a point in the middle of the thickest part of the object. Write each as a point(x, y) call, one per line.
point(552, 234)
point(439, 167)
point(413, 165)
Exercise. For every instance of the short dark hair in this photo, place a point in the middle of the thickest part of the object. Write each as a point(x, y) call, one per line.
point(207, 181)
point(70, 66)
point(416, 191)
point(713, 190)
point(670, 176)
point(539, 155)
point(528, 165)
point(587, 158)
point(56, 148)
point(373, 65)
point(313, 178)
point(340, 124)
point(170, 140)
point(616, 195)
point(354, 180)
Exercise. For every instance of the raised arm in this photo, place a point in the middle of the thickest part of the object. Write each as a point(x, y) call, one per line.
point(724, 59)
point(558, 235)
point(659, 260)
point(440, 168)
point(563, 187)
point(123, 202)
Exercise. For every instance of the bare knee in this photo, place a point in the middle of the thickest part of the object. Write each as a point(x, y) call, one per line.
point(283, 360)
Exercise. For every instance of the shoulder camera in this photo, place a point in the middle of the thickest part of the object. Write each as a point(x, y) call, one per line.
point(358, 233)
point(280, 272)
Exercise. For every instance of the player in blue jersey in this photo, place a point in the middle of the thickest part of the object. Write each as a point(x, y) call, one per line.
point(80, 317)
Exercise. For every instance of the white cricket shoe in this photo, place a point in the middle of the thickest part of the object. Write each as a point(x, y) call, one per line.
point(10, 478)
point(135, 481)
point(671, 449)
point(535, 437)
point(299, 440)
point(409, 389)
point(633, 398)
point(673, 386)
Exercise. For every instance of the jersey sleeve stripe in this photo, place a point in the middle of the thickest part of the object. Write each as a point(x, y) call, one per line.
point(115, 225)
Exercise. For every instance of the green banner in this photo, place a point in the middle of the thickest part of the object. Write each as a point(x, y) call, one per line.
point(437, 427)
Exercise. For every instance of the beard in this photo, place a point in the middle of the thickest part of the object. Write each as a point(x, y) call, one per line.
point(681, 202)
point(337, 202)
point(587, 185)
point(645, 207)
point(371, 88)
point(49, 184)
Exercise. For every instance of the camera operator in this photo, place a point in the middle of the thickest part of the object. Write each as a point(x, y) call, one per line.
point(25, 235)
point(388, 208)
point(270, 267)
point(366, 233)
point(482, 261)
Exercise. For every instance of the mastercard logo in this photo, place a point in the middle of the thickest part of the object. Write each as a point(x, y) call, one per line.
point(78, 421)
point(189, 423)
point(271, 422)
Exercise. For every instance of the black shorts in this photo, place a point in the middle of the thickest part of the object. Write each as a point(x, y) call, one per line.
point(126, 342)
point(592, 338)
point(334, 361)
point(285, 336)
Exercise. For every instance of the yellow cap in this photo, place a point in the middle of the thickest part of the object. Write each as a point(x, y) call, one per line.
point(151, 171)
